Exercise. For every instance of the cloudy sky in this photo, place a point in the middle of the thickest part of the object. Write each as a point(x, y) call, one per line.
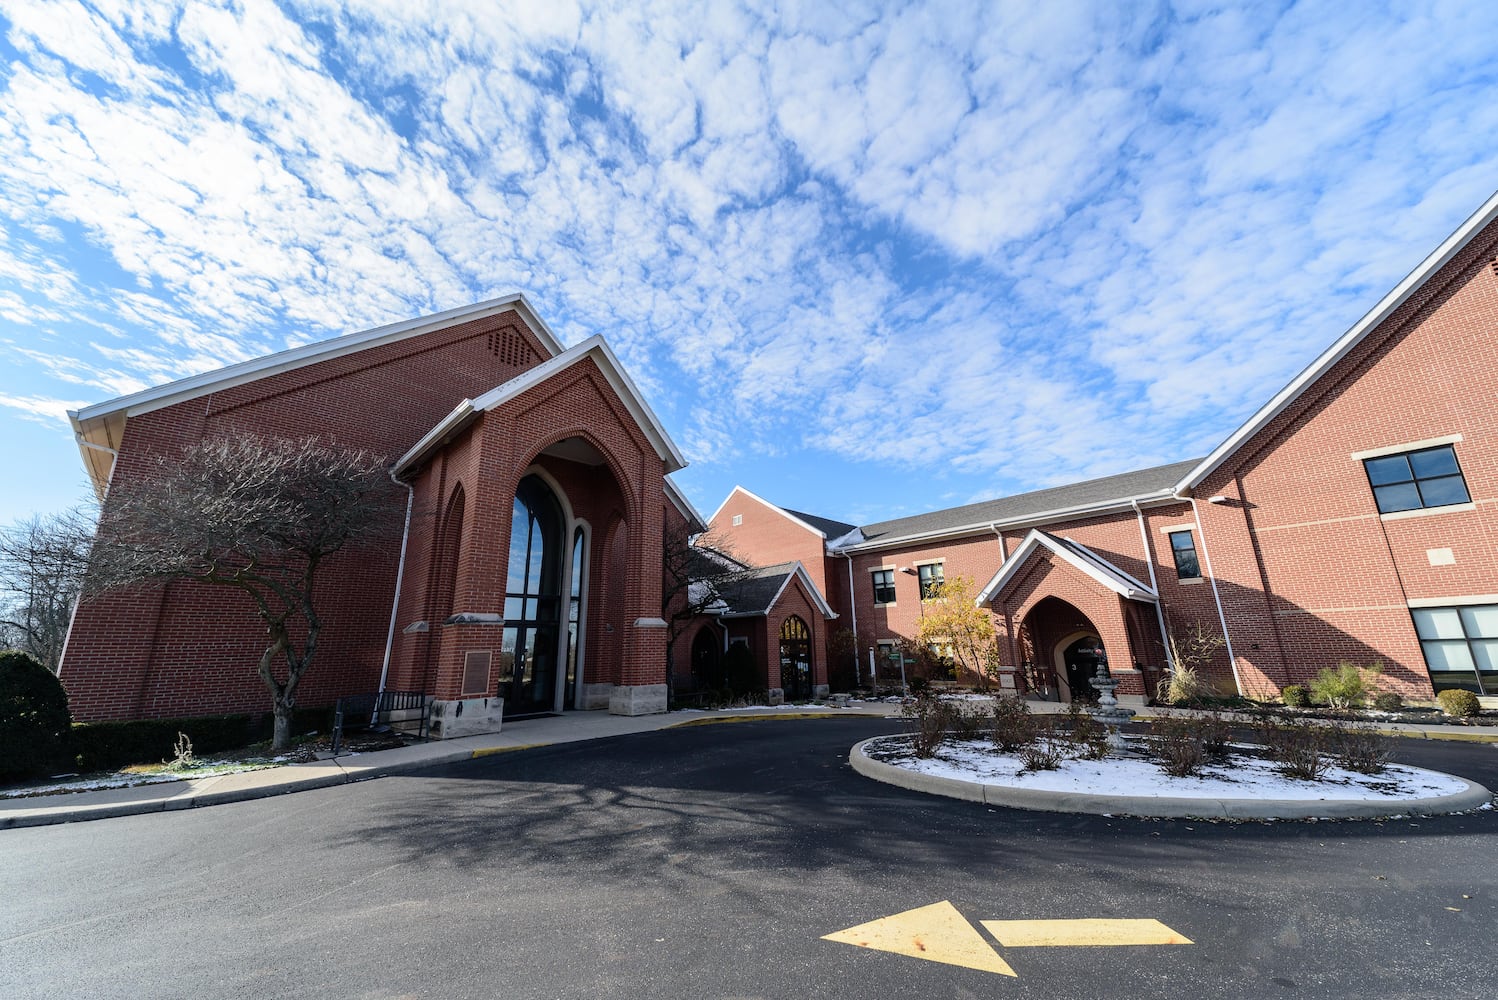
point(865, 259)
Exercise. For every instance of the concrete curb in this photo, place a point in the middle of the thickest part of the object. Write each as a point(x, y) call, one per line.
point(1472, 797)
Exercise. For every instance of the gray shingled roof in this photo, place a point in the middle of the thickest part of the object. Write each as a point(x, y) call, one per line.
point(753, 593)
point(826, 525)
point(1093, 491)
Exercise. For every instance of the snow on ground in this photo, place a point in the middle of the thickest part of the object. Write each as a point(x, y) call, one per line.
point(1128, 773)
point(125, 779)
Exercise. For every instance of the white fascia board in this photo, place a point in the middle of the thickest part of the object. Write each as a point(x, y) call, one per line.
point(1453, 245)
point(1107, 567)
point(623, 386)
point(775, 507)
point(434, 438)
point(1117, 582)
point(298, 357)
point(1153, 499)
point(677, 497)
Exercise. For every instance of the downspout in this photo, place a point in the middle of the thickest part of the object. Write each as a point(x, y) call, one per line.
point(1149, 561)
point(400, 575)
point(1216, 596)
point(853, 610)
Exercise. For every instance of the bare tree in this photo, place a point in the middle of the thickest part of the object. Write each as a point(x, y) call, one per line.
point(258, 516)
point(698, 570)
point(42, 562)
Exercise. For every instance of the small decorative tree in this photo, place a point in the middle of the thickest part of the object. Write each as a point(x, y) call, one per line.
point(254, 515)
point(952, 619)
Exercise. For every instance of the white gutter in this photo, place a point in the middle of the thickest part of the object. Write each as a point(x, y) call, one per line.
point(400, 575)
point(1149, 562)
point(1216, 596)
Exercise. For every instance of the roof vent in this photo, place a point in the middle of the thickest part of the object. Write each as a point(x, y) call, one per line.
point(1493, 266)
point(509, 347)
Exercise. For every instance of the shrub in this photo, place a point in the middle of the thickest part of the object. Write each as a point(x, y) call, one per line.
point(930, 718)
point(104, 746)
point(1298, 748)
point(740, 672)
point(1178, 746)
point(1360, 749)
point(918, 685)
point(1347, 686)
point(1296, 696)
point(967, 723)
point(1088, 735)
point(1388, 701)
point(1459, 703)
point(1183, 686)
point(34, 718)
point(1014, 727)
point(1040, 755)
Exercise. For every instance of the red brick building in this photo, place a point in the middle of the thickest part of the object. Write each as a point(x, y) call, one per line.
point(530, 570)
point(1353, 518)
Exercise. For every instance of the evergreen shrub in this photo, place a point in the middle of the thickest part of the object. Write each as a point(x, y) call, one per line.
point(34, 718)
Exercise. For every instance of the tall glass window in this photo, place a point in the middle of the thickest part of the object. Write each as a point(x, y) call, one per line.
point(931, 577)
point(574, 617)
point(1460, 646)
point(533, 593)
point(1183, 549)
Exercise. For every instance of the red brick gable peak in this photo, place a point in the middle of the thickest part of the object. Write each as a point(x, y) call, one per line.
point(100, 427)
point(1075, 554)
point(1401, 293)
point(594, 348)
point(773, 507)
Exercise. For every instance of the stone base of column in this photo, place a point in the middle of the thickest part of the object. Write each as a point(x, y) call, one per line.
point(464, 717)
point(595, 697)
point(637, 699)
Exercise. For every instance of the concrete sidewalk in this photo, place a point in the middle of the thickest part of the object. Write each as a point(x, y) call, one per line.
point(67, 807)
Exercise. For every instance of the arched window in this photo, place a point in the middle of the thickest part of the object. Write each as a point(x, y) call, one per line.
point(795, 659)
point(533, 597)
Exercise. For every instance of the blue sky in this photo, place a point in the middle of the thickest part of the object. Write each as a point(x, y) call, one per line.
point(866, 260)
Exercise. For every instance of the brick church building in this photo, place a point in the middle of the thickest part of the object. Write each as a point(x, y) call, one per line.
point(1353, 518)
point(529, 578)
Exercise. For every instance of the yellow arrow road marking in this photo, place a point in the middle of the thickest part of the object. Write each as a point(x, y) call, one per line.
point(936, 933)
point(1080, 933)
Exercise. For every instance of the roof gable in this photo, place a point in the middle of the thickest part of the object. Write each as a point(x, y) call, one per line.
point(99, 428)
point(1282, 400)
point(1073, 553)
point(759, 591)
point(824, 528)
point(603, 357)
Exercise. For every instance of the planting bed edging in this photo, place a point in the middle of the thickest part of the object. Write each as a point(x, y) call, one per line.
point(1473, 797)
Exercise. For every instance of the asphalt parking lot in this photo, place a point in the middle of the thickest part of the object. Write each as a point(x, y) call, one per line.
point(715, 861)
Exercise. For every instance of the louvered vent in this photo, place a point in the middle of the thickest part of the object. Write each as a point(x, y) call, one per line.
point(476, 673)
point(508, 346)
point(1493, 266)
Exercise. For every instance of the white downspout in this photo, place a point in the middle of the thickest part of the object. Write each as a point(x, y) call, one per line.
point(400, 575)
point(853, 610)
point(1217, 597)
point(1149, 561)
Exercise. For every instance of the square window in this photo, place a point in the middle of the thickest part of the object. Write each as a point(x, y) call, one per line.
point(1415, 480)
point(931, 577)
point(1183, 549)
point(738, 519)
point(884, 586)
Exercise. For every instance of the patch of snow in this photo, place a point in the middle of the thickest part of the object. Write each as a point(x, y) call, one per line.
point(1128, 773)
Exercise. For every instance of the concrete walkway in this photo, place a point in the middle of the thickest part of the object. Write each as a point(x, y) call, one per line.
point(67, 807)
point(165, 796)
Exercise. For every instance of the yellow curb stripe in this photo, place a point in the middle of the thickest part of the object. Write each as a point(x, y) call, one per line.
point(491, 751)
point(761, 718)
point(1080, 933)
